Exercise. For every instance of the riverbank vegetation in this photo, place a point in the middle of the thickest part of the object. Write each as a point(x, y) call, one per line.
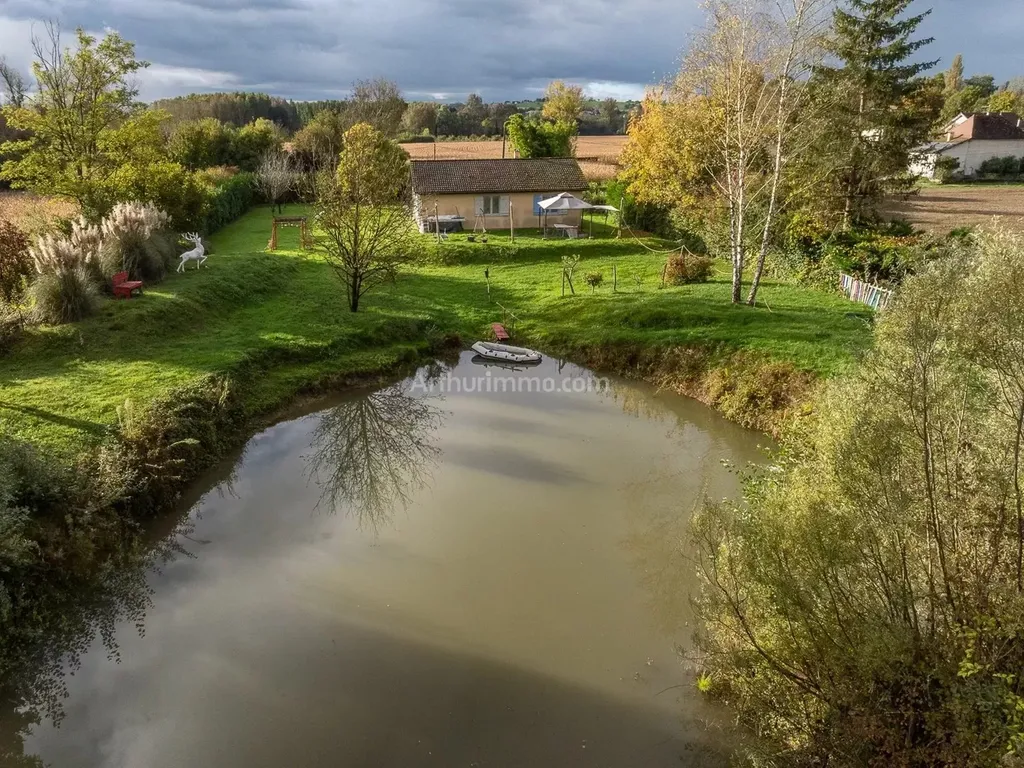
point(863, 604)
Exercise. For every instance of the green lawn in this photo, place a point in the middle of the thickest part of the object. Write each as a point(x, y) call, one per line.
point(61, 386)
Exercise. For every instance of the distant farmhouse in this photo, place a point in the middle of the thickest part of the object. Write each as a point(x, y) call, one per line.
point(491, 194)
point(971, 139)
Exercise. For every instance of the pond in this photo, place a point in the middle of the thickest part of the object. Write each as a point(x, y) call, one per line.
point(472, 567)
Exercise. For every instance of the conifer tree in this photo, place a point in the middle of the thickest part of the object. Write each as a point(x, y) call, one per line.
point(881, 107)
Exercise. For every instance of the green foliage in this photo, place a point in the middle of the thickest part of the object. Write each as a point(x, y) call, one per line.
point(208, 143)
point(240, 109)
point(168, 186)
point(965, 100)
point(420, 119)
point(864, 604)
point(594, 279)
point(198, 144)
point(946, 169)
point(253, 142)
point(878, 107)
point(364, 213)
point(15, 262)
point(318, 144)
point(532, 137)
point(64, 296)
point(228, 201)
point(563, 103)
point(1001, 166)
point(684, 268)
point(882, 253)
point(84, 109)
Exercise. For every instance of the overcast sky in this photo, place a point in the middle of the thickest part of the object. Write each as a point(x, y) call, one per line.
point(444, 49)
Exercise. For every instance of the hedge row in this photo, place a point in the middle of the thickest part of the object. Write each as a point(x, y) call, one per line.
point(228, 201)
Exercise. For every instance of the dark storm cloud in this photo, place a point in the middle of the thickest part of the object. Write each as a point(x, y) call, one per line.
point(502, 49)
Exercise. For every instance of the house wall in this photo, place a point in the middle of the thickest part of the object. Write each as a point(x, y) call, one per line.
point(973, 153)
point(924, 165)
point(521, 204)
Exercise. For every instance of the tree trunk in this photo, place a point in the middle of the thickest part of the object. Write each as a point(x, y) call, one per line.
point(353, 296)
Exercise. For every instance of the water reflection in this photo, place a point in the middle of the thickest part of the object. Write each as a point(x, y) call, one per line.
point(524, 613)
point(371, 452)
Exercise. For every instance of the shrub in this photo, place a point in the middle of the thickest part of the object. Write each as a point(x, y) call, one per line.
point(689, 268)
point(253, 142)
point(12, 325)
point(198, 144)
point(594, 279)
point(217, 175)
point(63, 296)
point(168, 186)
point(128, 243)
point(415, 138)
point(15, 262)
point(228, 201)
point(1001, 166)
point(946, 169)
point(863, 605)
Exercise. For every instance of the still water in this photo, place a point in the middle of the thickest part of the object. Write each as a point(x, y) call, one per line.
point(421, 576)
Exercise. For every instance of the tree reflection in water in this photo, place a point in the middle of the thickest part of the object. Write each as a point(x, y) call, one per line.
point(372, 452)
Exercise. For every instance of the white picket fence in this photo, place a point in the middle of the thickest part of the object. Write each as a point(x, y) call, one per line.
point(857, 290)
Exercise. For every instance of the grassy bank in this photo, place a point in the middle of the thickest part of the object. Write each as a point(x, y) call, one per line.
point(126, 408)
point(281, 316)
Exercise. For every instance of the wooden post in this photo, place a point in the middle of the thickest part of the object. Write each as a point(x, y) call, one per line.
point(615, 279)
point(437, 224)
point(273, 236)
point(563, 282)
point(487, 277)
point(663, 271)
point(511, 222)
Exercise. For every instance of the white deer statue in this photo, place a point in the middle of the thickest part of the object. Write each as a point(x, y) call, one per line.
point(197, 254)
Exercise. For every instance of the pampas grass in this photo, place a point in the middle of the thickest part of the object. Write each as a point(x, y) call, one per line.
point(64, 296)
point(129, 242)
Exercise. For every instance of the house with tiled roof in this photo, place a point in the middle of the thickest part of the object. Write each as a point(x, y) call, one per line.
point(491, 194)
point(971, 139)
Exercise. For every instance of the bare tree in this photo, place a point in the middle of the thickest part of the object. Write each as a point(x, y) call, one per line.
point(800, 27)
point(378, 102)
point(276, 177)
point(744, 66)
point(15, 86)
point(371, 452)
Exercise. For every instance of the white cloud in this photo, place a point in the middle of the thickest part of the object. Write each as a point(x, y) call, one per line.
point(159, 81)
point(16, 41)
point(620, 91)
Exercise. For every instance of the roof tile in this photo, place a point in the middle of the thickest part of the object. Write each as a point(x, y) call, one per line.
point(546, 174)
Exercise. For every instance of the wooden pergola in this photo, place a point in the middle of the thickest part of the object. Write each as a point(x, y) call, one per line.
point(290, 221)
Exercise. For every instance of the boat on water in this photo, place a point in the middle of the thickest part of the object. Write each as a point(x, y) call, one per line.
point(504, 365)
point(506, 353)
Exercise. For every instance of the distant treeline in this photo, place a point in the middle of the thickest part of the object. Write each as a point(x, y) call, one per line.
point(474, 117)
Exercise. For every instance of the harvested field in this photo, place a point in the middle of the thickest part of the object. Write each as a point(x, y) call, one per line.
point(598, 155)
point(33, 213)
point(941, 209)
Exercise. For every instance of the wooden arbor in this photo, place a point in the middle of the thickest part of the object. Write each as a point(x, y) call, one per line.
point(290, 221)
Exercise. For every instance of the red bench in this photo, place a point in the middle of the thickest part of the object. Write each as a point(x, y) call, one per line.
point(499, 332)
point(123, 286)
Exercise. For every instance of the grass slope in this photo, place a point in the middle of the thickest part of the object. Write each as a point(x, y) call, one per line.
point(62, 386)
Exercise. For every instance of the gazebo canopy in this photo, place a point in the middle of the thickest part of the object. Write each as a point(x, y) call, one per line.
point(564, 202)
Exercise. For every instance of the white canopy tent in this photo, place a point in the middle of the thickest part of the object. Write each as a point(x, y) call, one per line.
point(566, 202)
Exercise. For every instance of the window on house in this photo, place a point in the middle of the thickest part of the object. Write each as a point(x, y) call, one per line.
point(491, 205)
